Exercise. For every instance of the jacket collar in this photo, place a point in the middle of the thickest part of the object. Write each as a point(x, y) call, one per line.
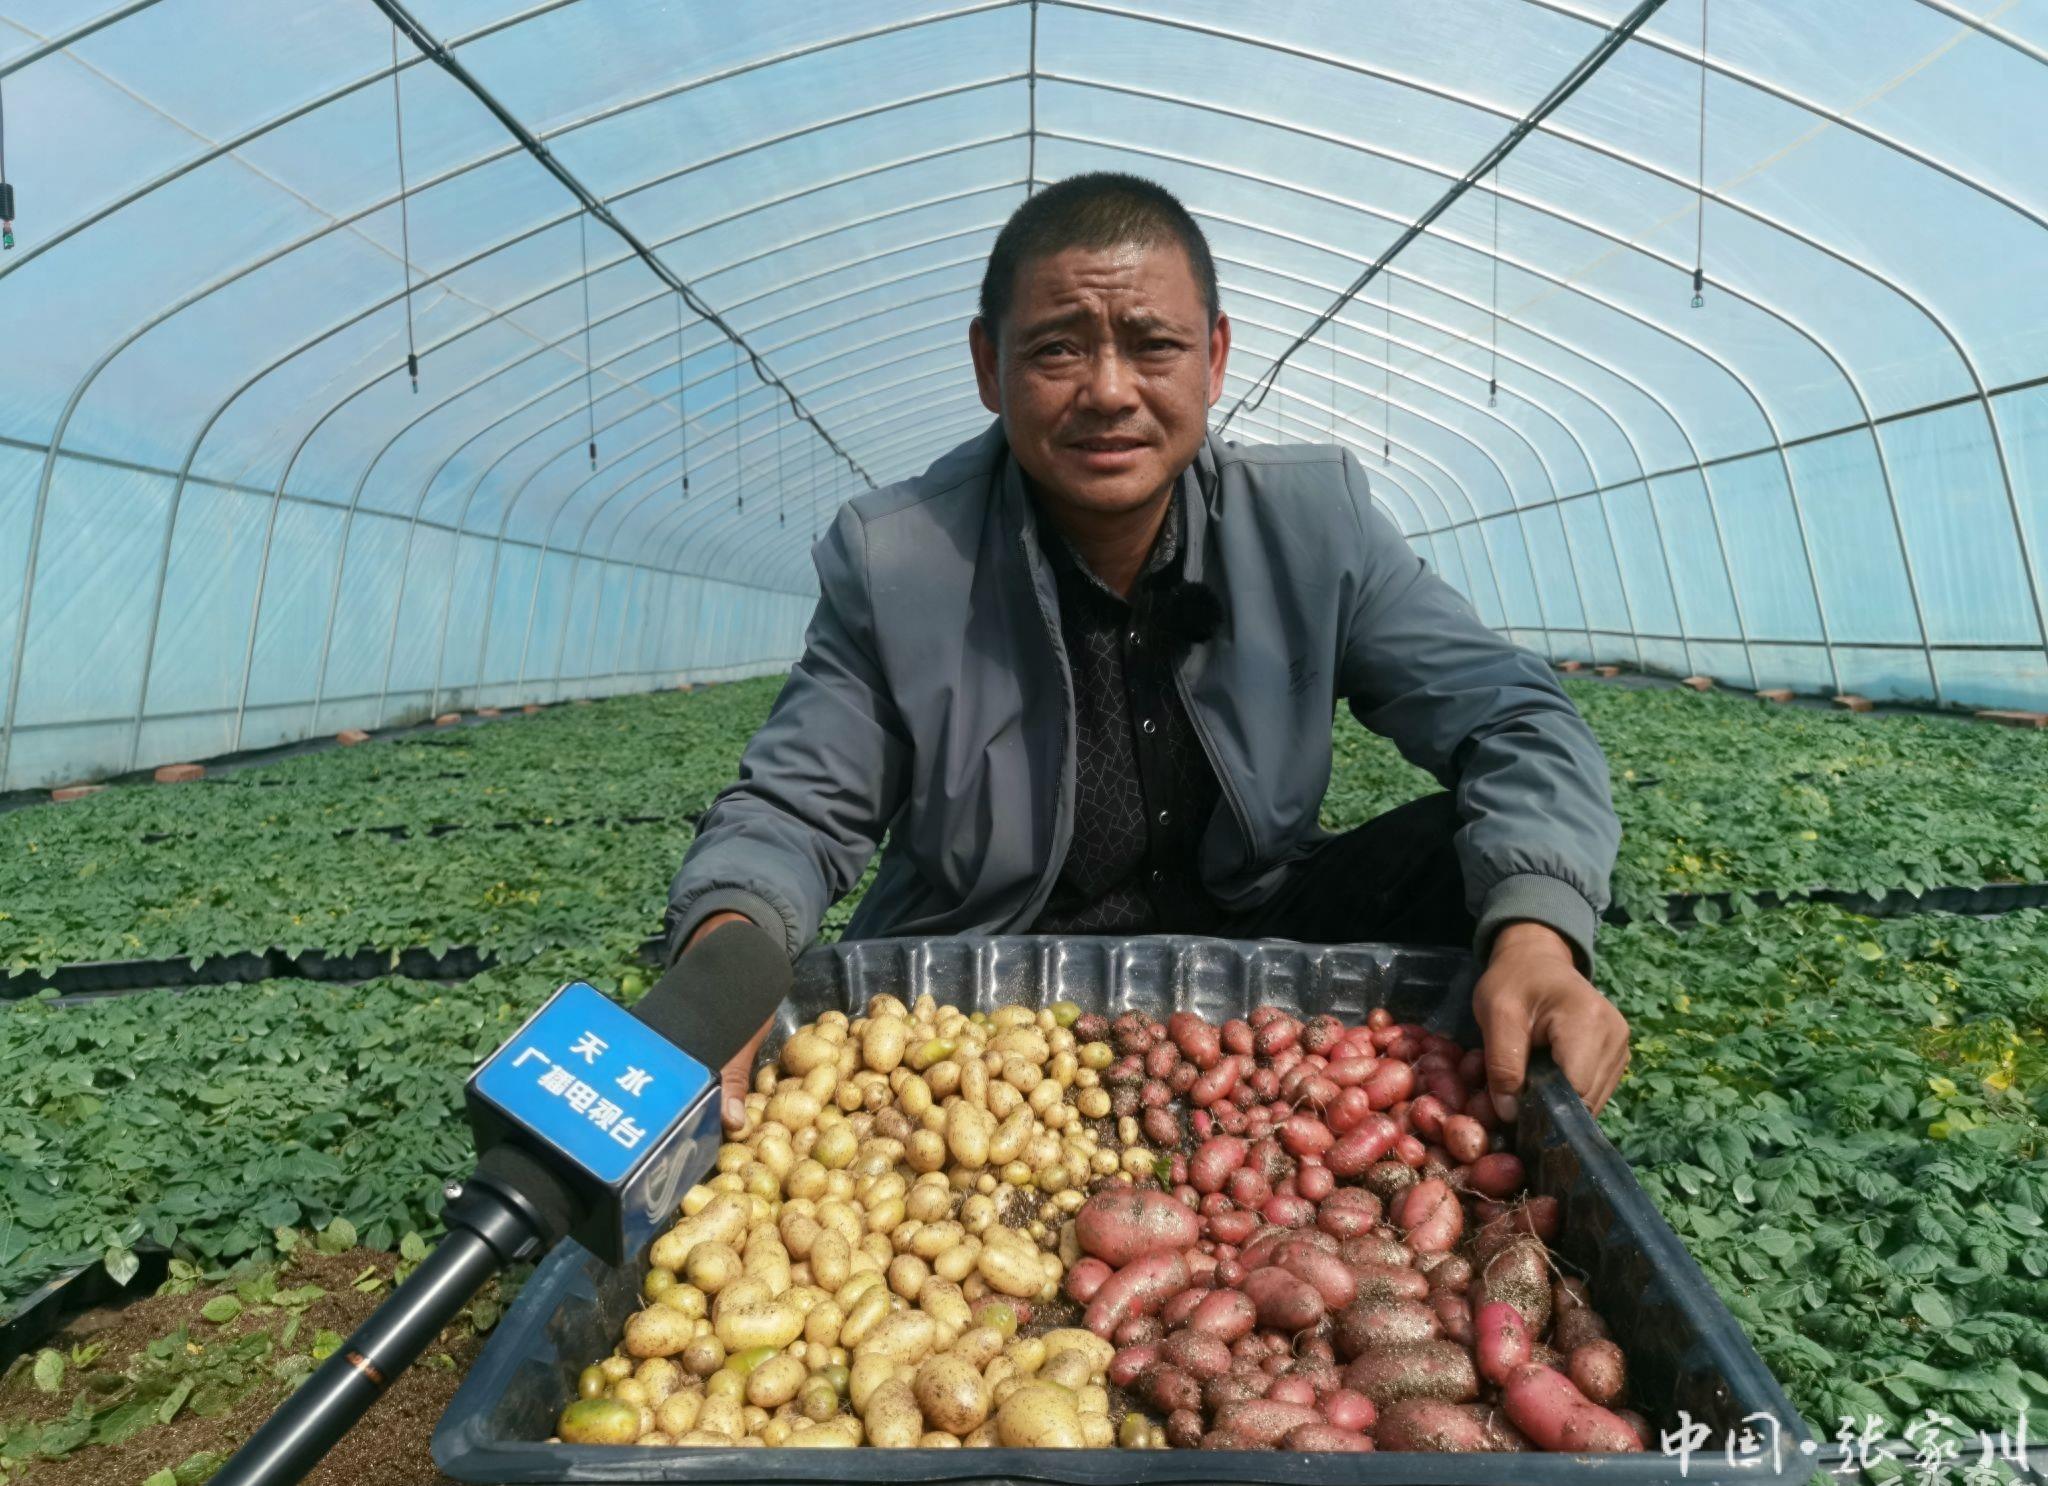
point(1197, 492)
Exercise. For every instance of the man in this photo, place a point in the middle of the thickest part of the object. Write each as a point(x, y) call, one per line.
point(1082, 671)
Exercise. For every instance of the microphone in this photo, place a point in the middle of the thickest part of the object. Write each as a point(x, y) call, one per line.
point(590, 1122)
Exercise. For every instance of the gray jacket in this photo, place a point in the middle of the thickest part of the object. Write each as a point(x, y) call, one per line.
point(933, 702)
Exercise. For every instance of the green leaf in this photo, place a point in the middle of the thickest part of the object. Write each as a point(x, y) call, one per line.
point(121, 1264)
point(325, 1344)
point(221, 1309)
point(165, 1477)
point(1932, 1309)
point(1869, 949)
point(49, 1370)
point(412, 1248)
point(337, 1237)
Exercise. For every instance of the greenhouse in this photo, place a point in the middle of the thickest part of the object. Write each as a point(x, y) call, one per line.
point(1175, 562)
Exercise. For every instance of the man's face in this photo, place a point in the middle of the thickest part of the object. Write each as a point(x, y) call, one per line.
point(1104, 372)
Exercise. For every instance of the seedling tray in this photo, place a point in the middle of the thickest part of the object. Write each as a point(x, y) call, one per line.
point(1685, 1351)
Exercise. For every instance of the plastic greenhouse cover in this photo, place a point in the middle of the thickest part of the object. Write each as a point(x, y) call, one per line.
point(1832, 469)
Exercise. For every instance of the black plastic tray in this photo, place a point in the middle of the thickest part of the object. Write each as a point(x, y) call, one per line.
point(1988, 900)
point(1685, 1350)
point(93, 979)
point(46, 1309)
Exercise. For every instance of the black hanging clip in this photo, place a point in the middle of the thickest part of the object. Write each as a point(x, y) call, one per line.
point(6, 215)
point(412, 367)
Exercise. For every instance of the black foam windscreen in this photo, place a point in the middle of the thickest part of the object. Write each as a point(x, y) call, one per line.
point(713, 1000)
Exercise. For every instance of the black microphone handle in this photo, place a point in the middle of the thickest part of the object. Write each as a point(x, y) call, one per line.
point(327, 1405)
point(717, 994)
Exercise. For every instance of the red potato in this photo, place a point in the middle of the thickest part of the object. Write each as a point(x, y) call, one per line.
point(1085, 1278)
point(1215, 1160)
point(1263, 1013)
point(1119, 1226)
point(1128, 1365)
point(1236, 1386)
point(1289, 1388)
point(1217, 1439)
point(1465, 1138)
point(1182, 1078)
point(1229, 1272)
point(1380, 1246)
point(1138, 1288)
point(1276, 1037)
point(1309, 1438)
point(1411, 1152)
point(1363, 1327)
point(1347, 1111)
point(1347, 1211)
point(1230, 1117)
point(1161, 1126)
point(1389, 1084)
point(1350, 1072)
point(1184, 1194)
point(1599, 1370)
point(1233, 1227)
point(1498, 1176)
point(1433, 1369)
point(1152, 1094)
point(1503, 1341)
point(1379, 1017)
point(1214, 1203)
point(1237, 1036)
point(1429, 1215)
point(1426, 1116)
point(1322, 1033)
point(1202, 1123)
point(1383, 1284)
point(1364, 1144)
point(1285, 1302)
point(1201, 1268)
point(1259, 1252)
point(1455, 1313)
point(1480, 1107)
point(1472, 1068)
point(1161, 1060)
point(1305, 1135)
point(1288, 1212)
point(1262, 1422)
point(1200, 1043)
point(1177, 1310)
point(1331, 1277)
point(1226, 1315)
point(1249, 1188)
point(1215, 1085)
point(1196, 1353)
point(1141, 1331)
point(1429, 1424)
point(1349, 1410)
point(1520, 1275)
point(1314, 1183)
point(1184, 1429)
point(1575, 1321)
point(1639, 1424)
point(1318, 1093)
point(1168, 1389)
point(1544, 1405)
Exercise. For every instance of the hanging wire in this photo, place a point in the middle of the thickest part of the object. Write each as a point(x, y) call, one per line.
point(1493, 310)
point(682, 406)
point(781, 490)
point(811, 480)
point(412, 355)
point(739, 458)
point(1699, 245)
point(1387, 375)
point(589, 393)
point(6, 191)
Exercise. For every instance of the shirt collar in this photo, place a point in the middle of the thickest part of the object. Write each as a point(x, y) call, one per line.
point(1068, 560)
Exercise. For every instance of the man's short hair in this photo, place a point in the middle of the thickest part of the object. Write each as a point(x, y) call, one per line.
point(1101, 209)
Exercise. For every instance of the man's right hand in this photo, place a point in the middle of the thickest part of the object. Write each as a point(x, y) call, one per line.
point(738, 1074)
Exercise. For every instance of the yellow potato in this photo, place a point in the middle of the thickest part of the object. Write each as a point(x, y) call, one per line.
point(883, 1042)
point(865, 1376)
point(767, 1324)
point(906, 1336)
point(907, 1274)
point(1010, 1268)
point(892, 1418)
point(656, 1332)
point(775, 1382)
point(822, 1323)
point(1068, 1367)
point(951, 1394)
point(704, 1356)
point(836, 1146)
point(722, 1220)
point(842, 1433)
point(721, 1416)
point(1007, 1144)
point(677, 1414)
point(1039, 1416)
point(806, 1051)
point(863, 1316)
point(1097, 1433)
point(711, 1266)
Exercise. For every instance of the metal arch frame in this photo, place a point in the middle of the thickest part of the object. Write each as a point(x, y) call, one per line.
point(1568, 383)
point(1573, 289)
point(1426, 356)
point(1753, 302)
point(1990, 414)
point(1507, 485)
point(1984, 27)
point(265, 260)
point(1485, 415)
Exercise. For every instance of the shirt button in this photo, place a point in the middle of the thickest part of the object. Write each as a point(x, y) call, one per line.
point(1164, 816)
point(1150, 726)
point(1132, 636)
point(1158, 877)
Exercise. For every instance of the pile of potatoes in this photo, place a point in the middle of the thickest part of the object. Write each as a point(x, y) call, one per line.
point(899, 1199)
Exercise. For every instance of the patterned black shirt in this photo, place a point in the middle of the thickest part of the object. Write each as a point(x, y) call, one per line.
point(1144, 787)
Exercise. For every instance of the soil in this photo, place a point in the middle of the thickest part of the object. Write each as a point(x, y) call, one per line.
point(388, 1448)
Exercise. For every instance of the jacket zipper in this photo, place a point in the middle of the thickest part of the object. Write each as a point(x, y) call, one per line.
point(1244, 821)
point(1050, 873)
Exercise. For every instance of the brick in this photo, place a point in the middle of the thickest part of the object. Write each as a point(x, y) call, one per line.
point(1855, 703)
point(1699, 683)
point(1776, 694)
point(447, 719)
point(1607, 670)
point(74, 792)
point(1571, 665)
point(532, 707)
point(180, 773)
point(349, 737)
point(488, 712)
point(2006, 717)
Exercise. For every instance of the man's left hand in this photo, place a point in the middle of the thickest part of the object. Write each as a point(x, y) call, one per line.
point(1532, 995)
